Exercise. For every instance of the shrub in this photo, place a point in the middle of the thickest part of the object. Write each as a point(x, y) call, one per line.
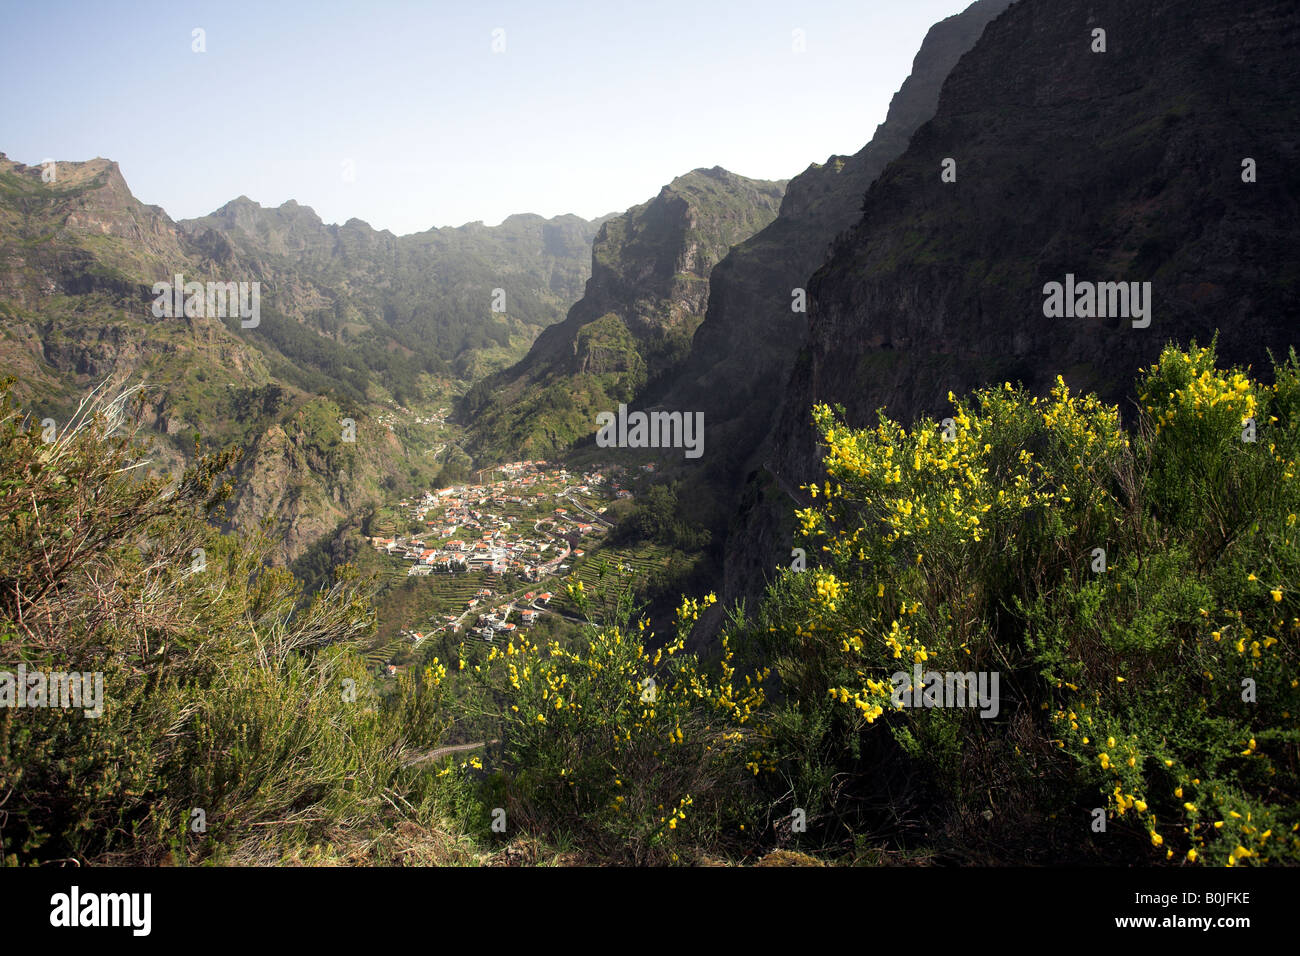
point(225, 692)
point(1133, 594)
point(635, 752)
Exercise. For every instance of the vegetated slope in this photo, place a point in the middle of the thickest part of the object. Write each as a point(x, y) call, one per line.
point(79, 256)
point(1123, 165)
point(214, 685)
point(648, 292)
point(428, 295)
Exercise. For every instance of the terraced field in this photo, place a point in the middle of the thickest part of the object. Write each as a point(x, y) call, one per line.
point(388, 521)
point(643, 561)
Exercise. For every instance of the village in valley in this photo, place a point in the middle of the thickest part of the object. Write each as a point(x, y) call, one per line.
point(489, 558)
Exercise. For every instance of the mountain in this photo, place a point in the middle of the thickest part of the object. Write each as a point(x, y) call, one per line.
point(352, 324)
point(1116, 166)
point(744, 349)
point(431, 295)
point(78, 256)
point(648, 291)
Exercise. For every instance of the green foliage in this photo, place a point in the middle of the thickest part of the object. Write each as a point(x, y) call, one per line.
point(657, 517)
point(1135, 596)
point(636, 753)
point(223, 690)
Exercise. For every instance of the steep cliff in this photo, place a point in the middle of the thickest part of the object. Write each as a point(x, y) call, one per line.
point(649, 288)
point(1116, 166)
point(743, 350)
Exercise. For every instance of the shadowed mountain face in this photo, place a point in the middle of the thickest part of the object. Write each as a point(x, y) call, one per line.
point(743, 350)
point(649, 287)
point(1124, 166)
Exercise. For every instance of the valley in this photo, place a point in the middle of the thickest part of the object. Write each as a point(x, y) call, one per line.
point(666, 513)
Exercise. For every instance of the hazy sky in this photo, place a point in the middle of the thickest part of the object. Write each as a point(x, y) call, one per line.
point(590, 107)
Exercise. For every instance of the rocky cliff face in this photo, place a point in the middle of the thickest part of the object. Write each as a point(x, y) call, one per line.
point(649, 288)
point(298, 473)
point(742, 352)
point(78, 255)
point(1124, 166)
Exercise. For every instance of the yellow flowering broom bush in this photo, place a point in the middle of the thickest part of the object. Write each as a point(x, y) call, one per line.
point(1121, 586)
point(1176, 672)
point(638, 751)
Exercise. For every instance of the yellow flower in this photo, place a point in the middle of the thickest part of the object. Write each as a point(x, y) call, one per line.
point(1277, 595)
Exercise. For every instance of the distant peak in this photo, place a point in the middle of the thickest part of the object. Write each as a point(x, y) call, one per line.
point(714, 172)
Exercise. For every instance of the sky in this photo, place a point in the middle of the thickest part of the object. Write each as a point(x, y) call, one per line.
point(405, 116)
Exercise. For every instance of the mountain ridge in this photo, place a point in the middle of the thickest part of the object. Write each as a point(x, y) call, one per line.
point(647, 293)
point(79, 256)
point(1141, 181)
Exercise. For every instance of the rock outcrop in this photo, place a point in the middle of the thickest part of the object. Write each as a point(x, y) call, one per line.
point(1123, 166)
point(649, 288)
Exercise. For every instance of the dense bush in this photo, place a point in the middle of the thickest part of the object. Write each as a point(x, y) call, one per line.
point(1136, 595)
point(633, 753)
point(657, 516)
point(224, 693)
